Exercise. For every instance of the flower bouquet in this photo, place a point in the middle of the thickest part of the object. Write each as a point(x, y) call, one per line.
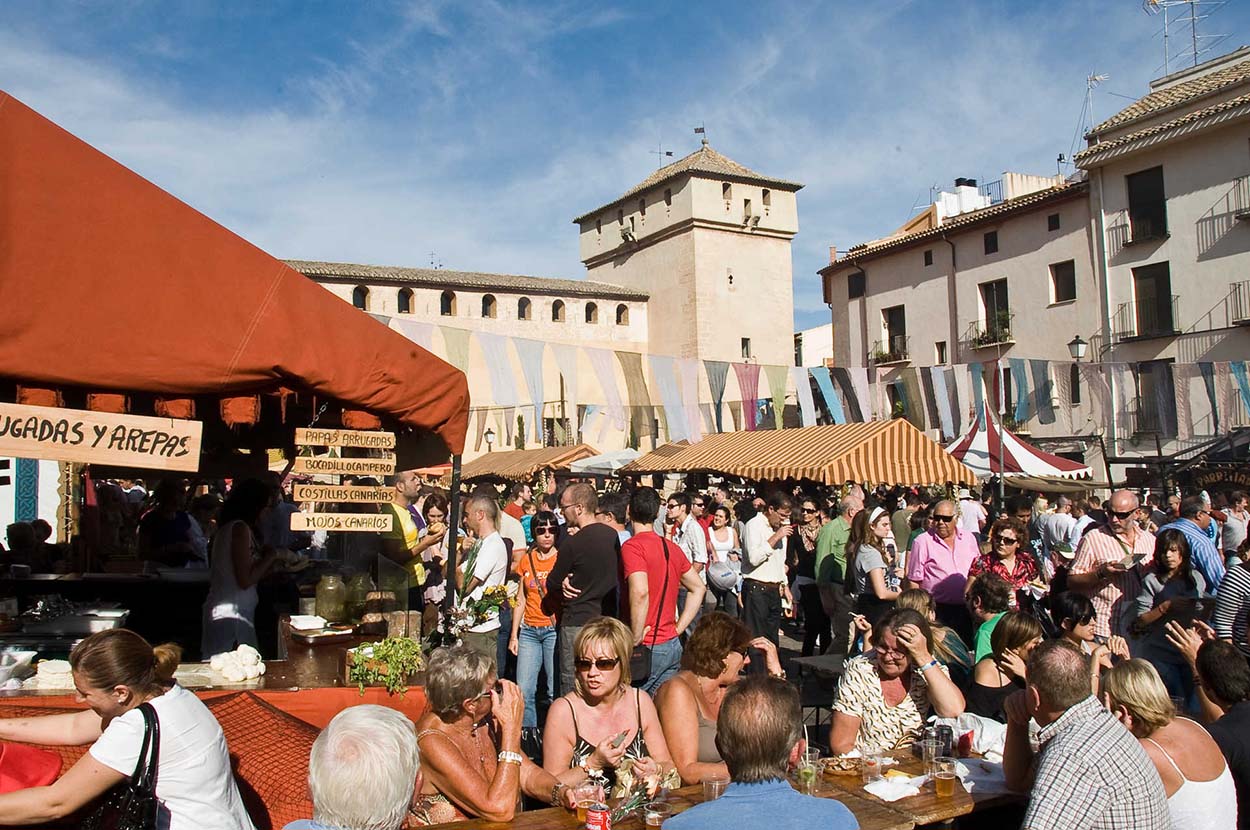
point(635, 792)
point(457, 619)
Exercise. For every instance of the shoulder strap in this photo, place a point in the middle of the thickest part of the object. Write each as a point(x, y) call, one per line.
point(573, 713)
point(542, 593)
point(144, 776)
point(1169, 757)
point(659, 608)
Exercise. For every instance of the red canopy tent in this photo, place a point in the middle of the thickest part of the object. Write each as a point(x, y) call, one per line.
point(989, 449)
point(116, 296)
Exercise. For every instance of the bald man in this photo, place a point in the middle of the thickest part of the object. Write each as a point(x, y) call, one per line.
point(1109, 564)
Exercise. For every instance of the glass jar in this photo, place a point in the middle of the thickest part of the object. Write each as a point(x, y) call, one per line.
point(358, 588)
point(332, 598)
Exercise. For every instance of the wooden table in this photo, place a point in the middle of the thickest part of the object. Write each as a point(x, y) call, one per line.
point(925, 808)
point(871, 814)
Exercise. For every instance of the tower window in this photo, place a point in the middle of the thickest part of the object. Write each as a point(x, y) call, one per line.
point(360, 297)
point(447, 304)
point(928, 257)
point(488, 305)
point(991, 242)
point(642, 208)
point(1074, 382)
point(599, 226)
point(622, 315)
point(1052, 222)
point(404, 305)
point(557, 311)
point(746, 209)
point(620, 217)
point(939, 352)
point(746, 347)
point(668, 197)
point(592, 313)
point(727, 191)
point(523, 309)
point(767, 199)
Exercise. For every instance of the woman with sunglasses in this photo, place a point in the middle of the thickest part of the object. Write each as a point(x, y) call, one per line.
point(1074, 614)
point(1007, 557)
point(470, 742)
point(871, 564)
point(689, 702)
point(802, 560)
point(533, 639)
point(604, 721)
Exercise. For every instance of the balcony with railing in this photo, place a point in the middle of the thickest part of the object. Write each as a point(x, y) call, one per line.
point(1138, 320)
point(1239, 303)
point(1239, 197)
point(1146, 420)
point(891, 350)
point(995, 330)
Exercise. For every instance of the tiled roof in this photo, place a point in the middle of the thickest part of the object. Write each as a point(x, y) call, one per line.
point(1176, 95)
point(993, 212)
point(465, 279)
point(1137, 135)
point(706, 161)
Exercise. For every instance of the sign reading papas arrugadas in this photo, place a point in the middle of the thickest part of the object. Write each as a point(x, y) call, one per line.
point(57, 434)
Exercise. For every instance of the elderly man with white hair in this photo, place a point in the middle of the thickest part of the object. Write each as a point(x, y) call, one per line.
point(363, 771)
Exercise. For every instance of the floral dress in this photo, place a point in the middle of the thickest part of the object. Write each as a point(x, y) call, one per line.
point(881, 726)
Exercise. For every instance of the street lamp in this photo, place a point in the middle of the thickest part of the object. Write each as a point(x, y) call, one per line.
point(490, 438)
point(1077, 347)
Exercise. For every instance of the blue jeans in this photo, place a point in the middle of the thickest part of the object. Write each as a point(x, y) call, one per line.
point(665, 662)
point(536, 649)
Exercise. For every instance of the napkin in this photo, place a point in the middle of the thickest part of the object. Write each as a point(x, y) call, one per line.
point(307, 622)
point(892, 789)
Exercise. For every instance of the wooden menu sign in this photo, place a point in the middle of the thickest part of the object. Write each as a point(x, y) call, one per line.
point(351, 522)
point(57, 434)
point(344, 466)
point(312, 437)
point(344, 493)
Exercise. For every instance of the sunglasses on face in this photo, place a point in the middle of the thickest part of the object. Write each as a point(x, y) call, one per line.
point(1121, 514)
point(938, 517)
point(602, 664)
point(498, 687)
point(809, 510)
point(545, 529)
point(671, 506)
point(700, 504)
point(1008, 540)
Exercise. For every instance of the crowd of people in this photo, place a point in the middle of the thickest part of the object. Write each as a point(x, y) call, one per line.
point(1099, 634)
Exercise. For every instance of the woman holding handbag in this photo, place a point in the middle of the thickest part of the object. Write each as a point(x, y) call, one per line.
point(133, 699)
point(533, 639)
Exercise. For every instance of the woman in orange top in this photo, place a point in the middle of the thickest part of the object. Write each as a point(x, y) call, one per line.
point(533, 639)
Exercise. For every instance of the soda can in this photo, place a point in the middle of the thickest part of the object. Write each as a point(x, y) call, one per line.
point(598, 817)
point(946, 737)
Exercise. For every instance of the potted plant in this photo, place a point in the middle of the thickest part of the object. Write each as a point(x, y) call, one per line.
point(392, 663)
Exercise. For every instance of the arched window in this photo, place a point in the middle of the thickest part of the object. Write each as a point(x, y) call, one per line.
point(447, 304)
point(557, 311)
point(523, 309)
point(592, 313)
point(488, 305)
point(404, 305)
point(622, 315)
point(360, 297)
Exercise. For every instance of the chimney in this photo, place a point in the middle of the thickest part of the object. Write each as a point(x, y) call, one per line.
point(833, 254)
point(962, 182)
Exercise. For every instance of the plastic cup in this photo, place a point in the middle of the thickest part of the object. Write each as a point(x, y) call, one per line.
point(870, 765)
point(656, 813)
point(944, 777)
point(585, 795)
point(929, 752)
point(714, 788)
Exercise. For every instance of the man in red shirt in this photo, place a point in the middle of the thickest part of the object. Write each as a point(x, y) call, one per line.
point(655, 569)
point(521, 493)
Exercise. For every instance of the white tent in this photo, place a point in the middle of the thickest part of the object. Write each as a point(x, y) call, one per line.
point(604, 464)
point(990, 450)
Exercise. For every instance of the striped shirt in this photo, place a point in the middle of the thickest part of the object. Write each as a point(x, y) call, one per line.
point(1092, 773)
point(1202, 551)
point(1231, 607)
point(1100, 545)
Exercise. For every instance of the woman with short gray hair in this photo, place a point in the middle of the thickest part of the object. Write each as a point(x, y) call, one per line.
point(362, 771)
point(470, 744)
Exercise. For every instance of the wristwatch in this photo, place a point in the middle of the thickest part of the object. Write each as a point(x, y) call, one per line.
point(506, 757)
point(557, 791)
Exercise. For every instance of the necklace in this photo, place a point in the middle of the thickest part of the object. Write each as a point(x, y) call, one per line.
point(471, 734)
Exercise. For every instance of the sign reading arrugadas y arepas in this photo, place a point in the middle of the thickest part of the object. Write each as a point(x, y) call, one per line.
point(57, 434)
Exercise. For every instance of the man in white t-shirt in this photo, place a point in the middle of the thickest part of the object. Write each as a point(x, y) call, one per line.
point(972, 514)
point(487, 567)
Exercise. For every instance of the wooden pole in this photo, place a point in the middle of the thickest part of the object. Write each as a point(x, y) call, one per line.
point(453, 529)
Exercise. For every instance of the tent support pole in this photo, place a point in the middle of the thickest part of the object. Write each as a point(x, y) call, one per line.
point(453, 524)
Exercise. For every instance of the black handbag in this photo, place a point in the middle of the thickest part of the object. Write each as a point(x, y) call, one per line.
point(132, 805)
point(640, 657)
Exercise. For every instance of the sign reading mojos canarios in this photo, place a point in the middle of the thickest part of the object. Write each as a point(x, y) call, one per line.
point(57, 434)
point(351, 522)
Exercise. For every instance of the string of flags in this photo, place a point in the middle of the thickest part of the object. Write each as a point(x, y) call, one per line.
point(685, 398)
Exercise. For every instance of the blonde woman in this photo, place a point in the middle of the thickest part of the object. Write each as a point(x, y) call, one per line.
point(947, 645)
point(604, 721)
point(1197, 780)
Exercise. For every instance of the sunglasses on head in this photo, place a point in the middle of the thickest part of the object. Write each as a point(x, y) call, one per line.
point(602, 664)
point(1121, 514)
point(938, 517)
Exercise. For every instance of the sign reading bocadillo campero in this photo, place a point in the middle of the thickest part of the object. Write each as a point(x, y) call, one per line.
point(57, 434)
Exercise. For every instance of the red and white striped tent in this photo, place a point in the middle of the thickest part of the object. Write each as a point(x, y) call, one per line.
point(990, 450)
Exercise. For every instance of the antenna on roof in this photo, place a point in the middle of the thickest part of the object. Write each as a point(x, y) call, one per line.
point(1086, 122)
point(435, 263)
point(662, 153)
point(701, 130)
point(1175, 25)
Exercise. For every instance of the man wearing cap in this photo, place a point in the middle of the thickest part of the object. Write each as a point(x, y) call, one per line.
point(972, 515)
point(939, 563)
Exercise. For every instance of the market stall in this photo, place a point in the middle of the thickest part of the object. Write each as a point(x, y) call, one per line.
point(524, 465)
point(991, 450)
point(893, 452)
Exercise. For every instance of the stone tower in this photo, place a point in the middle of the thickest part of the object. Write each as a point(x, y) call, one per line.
point(709, 240)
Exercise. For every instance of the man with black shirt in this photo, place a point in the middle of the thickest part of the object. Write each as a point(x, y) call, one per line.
point(583, 583)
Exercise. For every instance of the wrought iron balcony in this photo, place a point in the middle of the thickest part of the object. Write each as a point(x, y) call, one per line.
point(1239, 303)
point(891, 350)
point(1148, 318)
point(993, 331)
point(1146, 420)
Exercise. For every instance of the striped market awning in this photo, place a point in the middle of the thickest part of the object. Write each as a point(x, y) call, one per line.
point(877, 452)
point(523, 465)
point(655, 461)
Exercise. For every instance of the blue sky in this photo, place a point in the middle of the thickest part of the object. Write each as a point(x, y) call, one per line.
point(380, 132)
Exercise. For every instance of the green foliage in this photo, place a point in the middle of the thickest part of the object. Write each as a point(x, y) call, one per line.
point(389, 663)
